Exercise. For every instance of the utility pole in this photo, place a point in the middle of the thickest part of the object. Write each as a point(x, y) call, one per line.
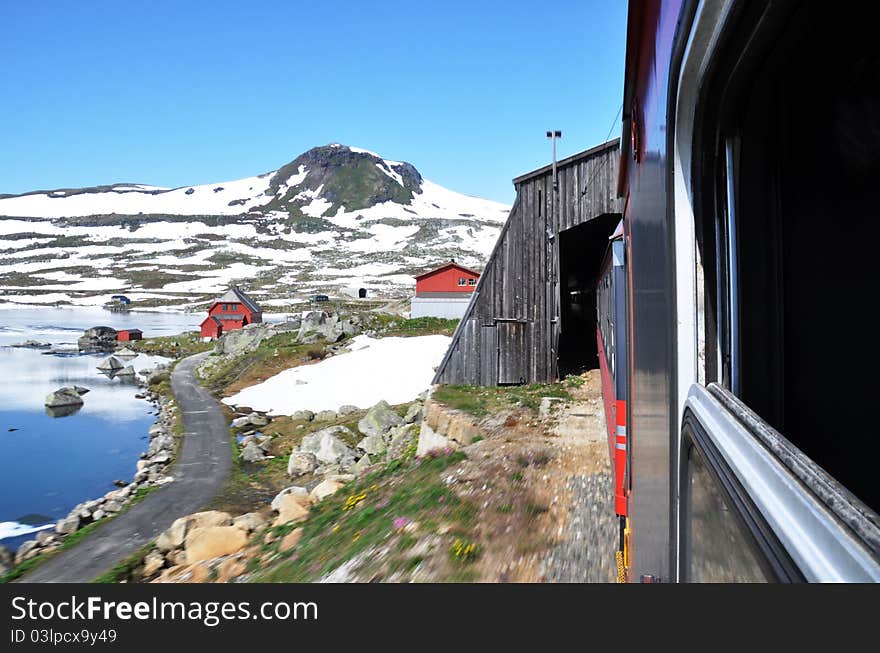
point(552, 266)
point(553, 135)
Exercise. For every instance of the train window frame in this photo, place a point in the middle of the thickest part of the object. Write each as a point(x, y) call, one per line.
point(764, 547)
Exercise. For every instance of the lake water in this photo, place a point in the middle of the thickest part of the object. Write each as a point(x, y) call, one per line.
point(50, 464)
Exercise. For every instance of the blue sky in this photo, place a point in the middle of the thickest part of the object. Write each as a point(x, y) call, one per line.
point(178, 93)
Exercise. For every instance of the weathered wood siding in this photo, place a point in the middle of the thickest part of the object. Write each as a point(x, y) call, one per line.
point(510, 331)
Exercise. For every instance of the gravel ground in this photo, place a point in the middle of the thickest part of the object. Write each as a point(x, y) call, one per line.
point(585, 552)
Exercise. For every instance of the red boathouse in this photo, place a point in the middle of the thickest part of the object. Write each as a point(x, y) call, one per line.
point(230, 312)
point(125, 335)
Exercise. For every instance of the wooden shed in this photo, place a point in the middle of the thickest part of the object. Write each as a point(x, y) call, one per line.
point(124, 335)
point(532, 315)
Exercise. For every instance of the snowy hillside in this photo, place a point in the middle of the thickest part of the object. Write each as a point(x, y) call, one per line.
point(334, 217)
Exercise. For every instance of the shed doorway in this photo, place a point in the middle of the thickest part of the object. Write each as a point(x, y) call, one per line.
point(581, 250)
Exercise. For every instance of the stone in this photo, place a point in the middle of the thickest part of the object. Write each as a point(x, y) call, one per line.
point(112, 506)
point(25, 549)
point(300, 463)
point(305, 415)
point(153, 562)
point(362, 465)
point(429, 440)
point(298, 492)
point(98, 514)
point(328, 447)
point(402, 439)
point(348, 409)
point(7, 560)
point(206, 542)
point(373, 445)
point(546, 407)
point(250, 522)
point(161, 458)
point(241, 341)
point(46, 537)
point(68, 525)
point(290, 510)
point(413, 414)
point(326, 416)
point(256, 419)
point(252, 453)
point(128, 370)
point(66, 396)
point(174, 537)
point(325, 489)
point(239, 422)
point(111, 364)
point(230, 568)
point(379, 419)
point(318, 325)
point(290, 540)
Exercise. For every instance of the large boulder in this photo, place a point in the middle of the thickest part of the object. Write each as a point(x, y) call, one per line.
point(174, 537)
point(325, 489)
point(66, 396)
point(128, 370)
point(402, 438)
point(250, 522)
point(242, 341)
point(290, 510)
point(326, 416)
point(318, 325)
point(305, 415)
point(299, 493)
point(300, 463)
point(67, 525)
point(373, 445)
point(209, 542)
point(99, 338)
point(379, 419)
point(328, 446)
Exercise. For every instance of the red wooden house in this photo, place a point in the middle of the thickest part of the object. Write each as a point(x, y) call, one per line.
point(230, 312)
point(125, 335)
point(448, 278)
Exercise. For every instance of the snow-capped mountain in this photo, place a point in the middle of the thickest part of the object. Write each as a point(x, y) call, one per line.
point(334, 217)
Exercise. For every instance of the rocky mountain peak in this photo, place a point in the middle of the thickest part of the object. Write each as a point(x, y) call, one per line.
point(344, 177)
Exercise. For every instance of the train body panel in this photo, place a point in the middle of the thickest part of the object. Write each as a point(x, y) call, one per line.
point(716, 286)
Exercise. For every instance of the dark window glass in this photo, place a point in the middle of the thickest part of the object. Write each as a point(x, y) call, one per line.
point(461, 281)
point(719, 549)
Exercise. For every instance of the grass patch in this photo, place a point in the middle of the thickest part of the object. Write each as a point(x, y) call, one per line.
point(390, 325)
point(481, 401)
point(124, 571)
point(179, 346)
point(368, 512)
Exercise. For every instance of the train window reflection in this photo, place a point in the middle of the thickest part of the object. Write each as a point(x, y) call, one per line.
point(719, 550)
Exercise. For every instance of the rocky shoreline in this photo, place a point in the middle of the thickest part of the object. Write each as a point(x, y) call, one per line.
point(151, 472)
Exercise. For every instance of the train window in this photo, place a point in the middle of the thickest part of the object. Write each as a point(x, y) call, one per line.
point(719, 549)
point(791, 158)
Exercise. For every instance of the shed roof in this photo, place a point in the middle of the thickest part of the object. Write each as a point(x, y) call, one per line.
point(446, 266)
point(574, 158)
point(235, 294)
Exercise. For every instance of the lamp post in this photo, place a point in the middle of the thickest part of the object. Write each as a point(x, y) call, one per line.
point(553, 135)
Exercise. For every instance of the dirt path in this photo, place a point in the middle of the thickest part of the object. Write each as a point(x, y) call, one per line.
point(542, 486)
point(199, 473)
